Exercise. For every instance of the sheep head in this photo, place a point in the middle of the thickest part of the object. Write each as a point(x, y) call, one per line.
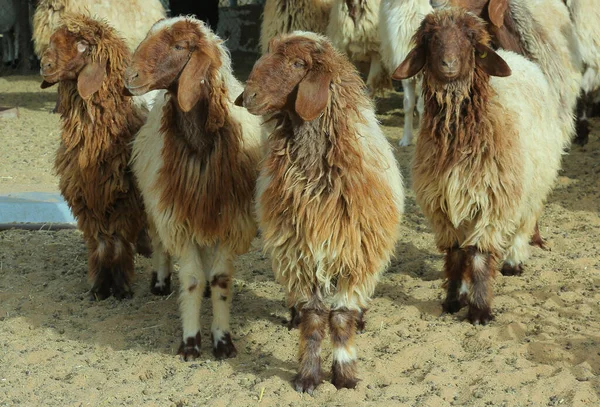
point(179, 55)
point(69, 58)
point(293, 76)
point(450, 44)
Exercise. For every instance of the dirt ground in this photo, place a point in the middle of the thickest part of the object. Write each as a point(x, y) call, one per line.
point(58, 349)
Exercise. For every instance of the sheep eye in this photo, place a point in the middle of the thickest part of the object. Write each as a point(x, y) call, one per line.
point(299, 64)
point(179, 47)
point(483, 54)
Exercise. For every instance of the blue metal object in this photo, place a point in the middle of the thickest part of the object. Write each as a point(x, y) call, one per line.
point(34, 207)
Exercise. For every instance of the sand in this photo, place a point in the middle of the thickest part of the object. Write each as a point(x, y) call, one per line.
point(59, 349)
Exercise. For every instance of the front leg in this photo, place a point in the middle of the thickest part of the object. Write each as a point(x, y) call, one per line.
point(480, 271)
point(221, 279)
point(162, 265)
point(192, 282)
point(342, 328)
point(456, 288)
point(312, 331)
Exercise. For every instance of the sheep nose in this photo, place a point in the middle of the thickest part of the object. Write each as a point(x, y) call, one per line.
point(449, 62)
point(45, 65)
point(249, 97)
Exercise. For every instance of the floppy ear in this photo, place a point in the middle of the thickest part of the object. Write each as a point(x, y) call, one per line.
point(191, 79)
point(496, 10)
point(239, 101)
point(45, 84)
point(313, 95)
point(490, 62)
point(412, 65)
point(90, 78)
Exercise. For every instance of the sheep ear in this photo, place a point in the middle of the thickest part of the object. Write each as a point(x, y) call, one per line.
point(496, 10)
point(490, 62)
point(45, 84)
point(313, 95)
point(412, 65)
point(239, 101)
point(90, 78)
point(191, 80)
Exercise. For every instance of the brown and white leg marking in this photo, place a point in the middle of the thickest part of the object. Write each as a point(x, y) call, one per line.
point(342, 327)
point(313, 326)
point(456, 289)
point(480, 272)
point(221, 279)
point(162, 265)
point(192, 283)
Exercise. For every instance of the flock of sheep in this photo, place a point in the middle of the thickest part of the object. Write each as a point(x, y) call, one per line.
point(166, 148)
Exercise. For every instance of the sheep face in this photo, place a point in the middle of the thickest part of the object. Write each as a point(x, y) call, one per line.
point(450, 45)
point(67, 58)
point(176, 55)
point(293, 76)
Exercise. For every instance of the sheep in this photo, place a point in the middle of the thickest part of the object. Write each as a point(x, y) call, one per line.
point(398, 21)
point(540, 30)
point(329, 195)
point(585, 16)
point(353, 30)
point(87, 59)
point(132, 18)
point(196, 162)
point(284, 16)
point(487, 154)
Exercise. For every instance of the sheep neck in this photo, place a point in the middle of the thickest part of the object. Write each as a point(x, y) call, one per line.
point(457, 120)
point(94, 126)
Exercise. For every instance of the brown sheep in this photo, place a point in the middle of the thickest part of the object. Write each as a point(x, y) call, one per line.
point(88, 59)
point(487, 156)
point(329, 196)
point(196, 161)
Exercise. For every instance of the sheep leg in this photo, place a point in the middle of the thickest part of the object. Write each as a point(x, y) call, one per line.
point(537, 239)
point(143, 245)
point(163, 266)
point(456, 288)
point(377, 79)
point(98, 274)
point(192, 282)
point(582, 125)
point(294, 321)
point(312, 331)
point(121, 268)
point(479, 270)
point(342, 326)
point(409, 86)
point(360, 321)
point(221, 278)
point(518, 250)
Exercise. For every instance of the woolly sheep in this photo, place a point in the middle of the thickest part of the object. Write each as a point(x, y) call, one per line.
point(487, 154)
point(196, 161)
point(132, 18)
point(329, 194)
point(284, 16)
point(398, 21)
point(353, 30)
point(88, 60)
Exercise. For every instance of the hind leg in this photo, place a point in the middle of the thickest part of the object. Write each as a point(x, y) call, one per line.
point(122, 268)
point(220, 276)
point(162, 265)
point(518, 250)
point(409, 110)
point(98, 274)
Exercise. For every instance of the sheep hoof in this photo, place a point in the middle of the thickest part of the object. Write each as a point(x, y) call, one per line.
point(100, 290)
point(480, 316)
point(122, 292)
point(306, 384)
point(224, 348)
point(510, 270)
point(157, 288)
point(341, 382)
point(452, 305)
point(190, 349)
point(404, 142)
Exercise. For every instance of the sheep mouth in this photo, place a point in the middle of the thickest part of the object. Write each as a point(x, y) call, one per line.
point(51, 77)
point(259, 110)
point(138, 90)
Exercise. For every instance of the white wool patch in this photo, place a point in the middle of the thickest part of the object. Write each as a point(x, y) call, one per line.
point(479, 261)
point(464, 289)
point(343, 355)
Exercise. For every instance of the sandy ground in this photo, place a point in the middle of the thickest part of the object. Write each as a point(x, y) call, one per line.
point(58, 349)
